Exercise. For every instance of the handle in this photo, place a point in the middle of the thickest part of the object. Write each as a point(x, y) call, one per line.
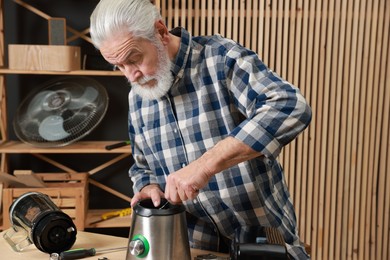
point(77, 253)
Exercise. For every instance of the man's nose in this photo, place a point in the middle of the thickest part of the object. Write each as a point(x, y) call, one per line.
point(132, 73)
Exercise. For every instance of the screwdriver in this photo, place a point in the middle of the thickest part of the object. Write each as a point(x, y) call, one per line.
point(85, 252)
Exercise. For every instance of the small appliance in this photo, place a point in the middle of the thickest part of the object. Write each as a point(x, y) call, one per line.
point(158, 233)
point(36, 219)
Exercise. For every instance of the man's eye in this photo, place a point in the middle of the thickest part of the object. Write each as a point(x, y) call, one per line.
point(134, 59)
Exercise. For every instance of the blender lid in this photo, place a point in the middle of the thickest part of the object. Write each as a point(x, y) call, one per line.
point(146, 208)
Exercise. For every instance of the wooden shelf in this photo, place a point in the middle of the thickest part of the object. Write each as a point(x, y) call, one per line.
point(75, 72)
point(74, 148)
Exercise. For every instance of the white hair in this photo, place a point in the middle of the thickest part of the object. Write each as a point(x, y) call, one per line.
point(137, 17)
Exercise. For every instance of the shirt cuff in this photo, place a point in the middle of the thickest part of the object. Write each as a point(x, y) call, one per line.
point(257, 138)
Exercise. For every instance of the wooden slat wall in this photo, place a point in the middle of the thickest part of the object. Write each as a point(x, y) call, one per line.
point(337, 53)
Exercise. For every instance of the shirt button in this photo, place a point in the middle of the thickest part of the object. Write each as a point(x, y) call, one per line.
point(183, 165)
point(175, 131)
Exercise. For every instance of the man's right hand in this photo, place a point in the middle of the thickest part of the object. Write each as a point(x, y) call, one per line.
point(151, 191)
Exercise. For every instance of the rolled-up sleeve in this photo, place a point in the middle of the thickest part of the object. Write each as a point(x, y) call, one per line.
point(275, 110)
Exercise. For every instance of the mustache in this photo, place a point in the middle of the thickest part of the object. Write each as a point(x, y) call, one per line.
point(144, 80)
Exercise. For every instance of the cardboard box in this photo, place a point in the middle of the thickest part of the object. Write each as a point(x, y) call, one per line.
point(68, 191)
point(44, 57)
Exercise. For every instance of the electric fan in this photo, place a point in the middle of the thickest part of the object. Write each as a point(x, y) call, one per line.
point(61, 112)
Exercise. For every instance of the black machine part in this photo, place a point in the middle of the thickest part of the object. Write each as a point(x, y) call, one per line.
point(252, 243)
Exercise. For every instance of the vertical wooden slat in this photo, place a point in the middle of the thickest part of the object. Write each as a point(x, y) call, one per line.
point(190, 22)
point(272, 7)
point(351, 136)
point(311, 130)
point(249, 16)
point(296, 164)
point(196, 12)
point(217, 15)
point(285, 37)
point(322, 116)
point(279, 41)
point(341, 120)
point(266, 36)
point(304, 145)
point(344, 172)
point(170, 14)
point(255, 27)
point(235, 20)
point(373, 98)
point(330, 104)
point(210, 19)
point(229, 20)
point(366, 133)
point(357, 170)
point(183, 14)
point(203, 17)
point(382, 139)
point(260, 48)
point(335, 107)
point(176, 17)
point(241, 12)
point(223, 18)
point(382, 200)
point(317, 129)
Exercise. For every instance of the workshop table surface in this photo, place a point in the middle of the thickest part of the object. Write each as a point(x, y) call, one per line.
point(84, 240)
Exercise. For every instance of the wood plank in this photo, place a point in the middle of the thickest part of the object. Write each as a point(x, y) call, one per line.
point(10, 181)
point(74, 72)
point(311, 130)
point(303, 146)
point(29, 178)
point(364, 134)
point(74, 148)
point(382, 139)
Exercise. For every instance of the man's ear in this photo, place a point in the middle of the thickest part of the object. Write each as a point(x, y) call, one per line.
point(162, 31)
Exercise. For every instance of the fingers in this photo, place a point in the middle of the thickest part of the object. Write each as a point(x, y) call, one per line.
point(151, 191)
point(171, 193)
point(137, 197)
point(155, 196)
point(176, 192)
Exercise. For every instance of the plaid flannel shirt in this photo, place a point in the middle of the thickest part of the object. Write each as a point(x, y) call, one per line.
point(221, 89)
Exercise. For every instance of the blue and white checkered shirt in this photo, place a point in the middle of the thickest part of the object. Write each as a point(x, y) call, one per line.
point(221, 89)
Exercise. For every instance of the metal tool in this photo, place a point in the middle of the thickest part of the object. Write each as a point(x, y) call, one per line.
point(164, 205)
point(85, 252)
point(117, 145)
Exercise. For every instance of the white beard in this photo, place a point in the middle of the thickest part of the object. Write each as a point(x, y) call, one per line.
point(163, 77)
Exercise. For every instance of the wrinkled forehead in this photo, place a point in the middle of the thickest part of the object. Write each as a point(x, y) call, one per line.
point(116, 48)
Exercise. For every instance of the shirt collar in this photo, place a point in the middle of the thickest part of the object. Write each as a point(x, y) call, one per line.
point(183, 53)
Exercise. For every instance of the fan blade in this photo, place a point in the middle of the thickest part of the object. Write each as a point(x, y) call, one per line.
point(35, 105)
point(89, 96)
point(52, 129)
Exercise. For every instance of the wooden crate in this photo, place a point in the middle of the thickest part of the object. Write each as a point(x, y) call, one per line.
point(68, 191)
point(44, 57)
